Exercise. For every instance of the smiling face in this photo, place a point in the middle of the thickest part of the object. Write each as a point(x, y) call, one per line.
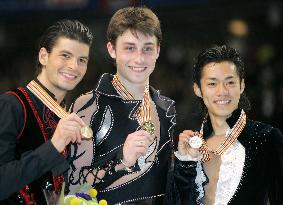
point(220, 88)
point(135, 57)
point(64, 67)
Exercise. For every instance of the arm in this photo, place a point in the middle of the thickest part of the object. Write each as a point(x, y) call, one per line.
point(182, 181)
point(102, 171)
point(276, 190)
point(16, 173)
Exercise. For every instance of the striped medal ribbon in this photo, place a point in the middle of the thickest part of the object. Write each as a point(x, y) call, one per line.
point(228, 141)
point(49, 102)
point(143, 112)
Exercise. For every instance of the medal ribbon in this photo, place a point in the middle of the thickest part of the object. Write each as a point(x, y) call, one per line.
point(46, 99)
point(228, 141)
point(143, 112)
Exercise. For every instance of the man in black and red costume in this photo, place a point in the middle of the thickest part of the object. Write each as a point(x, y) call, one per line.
point(238, 160)
point(130, 155)
point(32, 137)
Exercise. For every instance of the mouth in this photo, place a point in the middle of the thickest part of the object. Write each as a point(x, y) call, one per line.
point(222, 102)
point(69, 76)
point(138, 68)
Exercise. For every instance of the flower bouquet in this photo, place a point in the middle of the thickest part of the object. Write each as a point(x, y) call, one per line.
point(85, 195)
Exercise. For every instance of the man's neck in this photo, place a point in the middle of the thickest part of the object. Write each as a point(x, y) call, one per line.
point(219, 125)
point(136, 90)
point(59, 94)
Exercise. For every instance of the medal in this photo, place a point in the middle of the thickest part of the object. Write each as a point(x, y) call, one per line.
point(195, 142)
point(148, 127)
point(143, 112)
point(49, 102)
point(86, 132)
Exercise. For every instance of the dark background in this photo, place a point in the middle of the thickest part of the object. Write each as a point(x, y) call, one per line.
point(254, 27)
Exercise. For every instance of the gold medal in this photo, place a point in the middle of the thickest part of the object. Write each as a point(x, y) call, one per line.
point(148, 127)
point(86, 132)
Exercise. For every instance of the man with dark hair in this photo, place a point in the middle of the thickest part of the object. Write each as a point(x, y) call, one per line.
point(130, 155)
point(33, 138)
point(238, 161)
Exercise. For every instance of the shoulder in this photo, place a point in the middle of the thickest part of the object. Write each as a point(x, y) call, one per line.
point(264, 130)
point(9, 101)
point(83, 101)
point(163, 102)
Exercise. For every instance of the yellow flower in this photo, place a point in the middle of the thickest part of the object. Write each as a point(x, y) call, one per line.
point(75, 201)
point(92, 193)
point(102, 202)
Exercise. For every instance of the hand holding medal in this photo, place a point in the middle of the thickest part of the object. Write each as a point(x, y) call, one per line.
point(49, 102)
point(195, 142)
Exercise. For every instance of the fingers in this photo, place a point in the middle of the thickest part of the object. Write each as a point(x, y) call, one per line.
point(183, 143)
point(76, 118)
point(67, 130)
point(136, 144)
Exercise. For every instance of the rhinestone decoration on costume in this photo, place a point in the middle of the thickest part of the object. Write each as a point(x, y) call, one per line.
point(143, 117)
point(143, 112)
point(228, 141)
point(49, 102)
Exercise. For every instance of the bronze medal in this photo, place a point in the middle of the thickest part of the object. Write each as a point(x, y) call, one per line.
point(86, 132)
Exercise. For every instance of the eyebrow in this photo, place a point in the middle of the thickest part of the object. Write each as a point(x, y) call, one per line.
point(227, 78)
point(68, 52)
point(146, 44)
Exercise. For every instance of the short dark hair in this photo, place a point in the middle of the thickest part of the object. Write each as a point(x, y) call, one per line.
point(71, 29)
point(140, 19)
point(219, 54)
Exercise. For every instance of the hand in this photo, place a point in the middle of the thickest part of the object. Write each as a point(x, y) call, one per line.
point(136, 145)
point(67, 130)
point(184, 147)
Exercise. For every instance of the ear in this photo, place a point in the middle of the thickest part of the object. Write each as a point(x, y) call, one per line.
point(197, 90)
point(158, 51)
point(43, 56)
point(111, 50)
point(243, 86)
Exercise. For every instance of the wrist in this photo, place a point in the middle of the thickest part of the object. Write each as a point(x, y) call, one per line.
point(128, 168)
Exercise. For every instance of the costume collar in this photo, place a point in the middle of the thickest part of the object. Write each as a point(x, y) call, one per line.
point(105, 87)
point(63, 103)
point(231, 121)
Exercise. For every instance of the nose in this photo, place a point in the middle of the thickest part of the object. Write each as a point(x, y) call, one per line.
point(139, 58)
point(222, 89)
point(73, 64)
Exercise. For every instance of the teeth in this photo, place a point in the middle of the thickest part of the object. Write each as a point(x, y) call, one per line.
point(137, 68)
point(69, 75)
point(222, 102)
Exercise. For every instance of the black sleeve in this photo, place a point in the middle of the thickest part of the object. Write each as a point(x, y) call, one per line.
point(181, 190)
point(16, 173)
point(276, 187)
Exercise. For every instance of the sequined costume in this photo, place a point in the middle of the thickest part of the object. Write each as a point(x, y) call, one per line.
point(112, 119)
point(28, 160)
point(251, 171)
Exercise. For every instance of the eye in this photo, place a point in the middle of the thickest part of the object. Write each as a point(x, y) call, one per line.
point(130, 48)
point(148, 49)
point(211, 84)
point(231, 83)
point(66, 56)
point(83, 60)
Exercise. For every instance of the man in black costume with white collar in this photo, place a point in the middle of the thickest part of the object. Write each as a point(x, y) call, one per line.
point(238, 161)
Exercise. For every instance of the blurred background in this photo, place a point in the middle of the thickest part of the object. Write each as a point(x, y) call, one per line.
point(253, 27)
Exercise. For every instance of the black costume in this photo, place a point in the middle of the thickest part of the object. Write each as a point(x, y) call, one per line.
point(251, 171)
point(112, 119)
point(28, 160)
